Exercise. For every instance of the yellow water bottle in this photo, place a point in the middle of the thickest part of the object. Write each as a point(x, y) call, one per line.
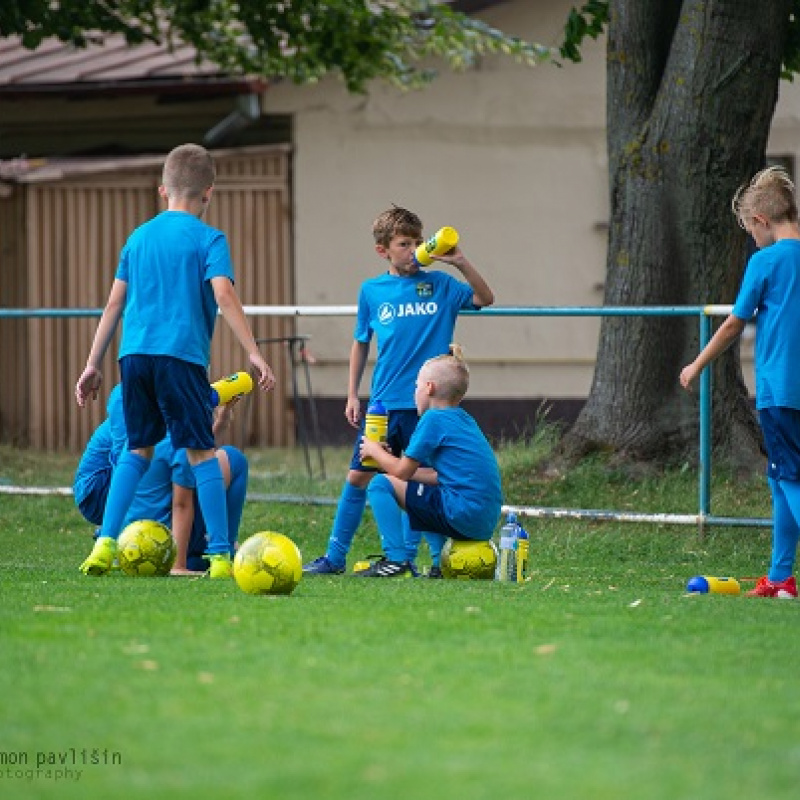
point(522, 554)
point(376, 428)
point(705, 584)
point(226, 389)
point(443, 241)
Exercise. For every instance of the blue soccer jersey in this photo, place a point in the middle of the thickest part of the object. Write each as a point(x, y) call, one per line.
point(167, 264)
point(412, 319)
point(450, 441)
point(771, 287)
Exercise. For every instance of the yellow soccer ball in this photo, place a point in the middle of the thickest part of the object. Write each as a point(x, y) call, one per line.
point(146, 548)
point(268, 563)
point(469, 560)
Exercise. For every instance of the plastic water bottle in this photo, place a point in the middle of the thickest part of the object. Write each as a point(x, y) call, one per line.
point(522, 553)
point(226, 389)
point(509, 538)
point(443, 241)
point(376, 428)
point(705, 584)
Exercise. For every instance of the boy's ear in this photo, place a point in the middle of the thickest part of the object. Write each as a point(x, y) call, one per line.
point(381, 251)
point(162, 191)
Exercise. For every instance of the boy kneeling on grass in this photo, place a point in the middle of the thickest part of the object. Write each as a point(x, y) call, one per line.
point(459, 495)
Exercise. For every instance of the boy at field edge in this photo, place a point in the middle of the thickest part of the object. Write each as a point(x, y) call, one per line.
point(412, 313)
point(166, 493)
point(174, 275)
point(459, 495)
point(767, 209)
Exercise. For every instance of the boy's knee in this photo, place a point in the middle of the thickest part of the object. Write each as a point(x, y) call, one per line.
point(236, 459)
point(380, 483)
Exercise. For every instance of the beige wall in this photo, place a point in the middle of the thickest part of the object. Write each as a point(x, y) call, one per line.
point(513, 157)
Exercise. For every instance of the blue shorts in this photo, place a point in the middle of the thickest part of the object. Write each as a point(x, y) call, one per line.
point(91, 495)
point(402, 424)
point(426, 512)
point(781, 429)
point(162, 393)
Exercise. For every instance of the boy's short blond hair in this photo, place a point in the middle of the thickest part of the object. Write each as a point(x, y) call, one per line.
point(188, 172)
point(770, 194)
point(450, 373)
point(396, 221)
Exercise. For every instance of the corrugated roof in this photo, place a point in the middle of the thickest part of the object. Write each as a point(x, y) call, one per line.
point(57, 66)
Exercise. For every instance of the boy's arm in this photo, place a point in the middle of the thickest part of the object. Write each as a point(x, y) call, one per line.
point(358, 363)
point(231, 308)
point(91, 378)
point(403, 467)
point(482, 294)
point(726, 335)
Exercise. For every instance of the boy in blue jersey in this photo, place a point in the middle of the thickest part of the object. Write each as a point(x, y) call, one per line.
point(166, 493)
point(458, 495)
point(174, 275)
point(767, 209)
point(412, 314)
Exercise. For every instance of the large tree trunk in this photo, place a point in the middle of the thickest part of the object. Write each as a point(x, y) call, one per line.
point(692, 87)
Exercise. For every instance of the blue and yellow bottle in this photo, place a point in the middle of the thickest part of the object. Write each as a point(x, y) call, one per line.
point(707, 584)
point(376, 428)
point(226, 389)
point(443, 241)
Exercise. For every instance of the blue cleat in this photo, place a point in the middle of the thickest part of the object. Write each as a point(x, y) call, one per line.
point(322, 566)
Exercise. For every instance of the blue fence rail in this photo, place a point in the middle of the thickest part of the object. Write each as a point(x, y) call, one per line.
point(704, 315)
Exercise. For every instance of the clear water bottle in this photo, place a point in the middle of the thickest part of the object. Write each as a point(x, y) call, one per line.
point(507, 563)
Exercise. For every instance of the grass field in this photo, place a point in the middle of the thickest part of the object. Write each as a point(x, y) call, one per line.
point(598, 678)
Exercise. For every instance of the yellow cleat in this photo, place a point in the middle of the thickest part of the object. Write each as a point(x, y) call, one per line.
point(101, 559)
point(221, 566)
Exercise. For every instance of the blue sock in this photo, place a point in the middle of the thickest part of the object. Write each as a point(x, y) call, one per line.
point(412, 538)
point(389, 517)
point(785, 528)
point(124, 481)
point(435, 544)
point(211, 497)
point(236, 493)
point(348, 517)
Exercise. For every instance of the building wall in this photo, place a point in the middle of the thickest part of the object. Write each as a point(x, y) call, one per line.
point(514, 158)
point(61, 239)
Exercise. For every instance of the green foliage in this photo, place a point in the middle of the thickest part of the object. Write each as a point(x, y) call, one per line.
point(590, 20)
point(302, 40)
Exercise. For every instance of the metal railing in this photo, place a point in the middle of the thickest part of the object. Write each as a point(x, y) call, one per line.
point(704, 314)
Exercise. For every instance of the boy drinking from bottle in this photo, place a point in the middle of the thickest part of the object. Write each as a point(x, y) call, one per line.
point(412, 313)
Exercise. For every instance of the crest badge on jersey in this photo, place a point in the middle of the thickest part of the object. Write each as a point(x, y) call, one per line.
point(424, 289)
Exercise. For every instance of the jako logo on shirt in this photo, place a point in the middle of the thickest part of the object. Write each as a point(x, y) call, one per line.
point(387, 312)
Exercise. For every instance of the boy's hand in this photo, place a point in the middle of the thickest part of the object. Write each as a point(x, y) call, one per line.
point(688, 376)
point(369, 448)
point(455, 258)
point(88, 385)
point(266, 380)
point(352, 411)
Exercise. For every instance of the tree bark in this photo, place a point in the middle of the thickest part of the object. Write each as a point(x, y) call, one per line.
point(692, 87)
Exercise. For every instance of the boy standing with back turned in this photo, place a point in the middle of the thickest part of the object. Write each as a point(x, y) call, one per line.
point(766, 208)
point(412, 313)
point(174, 274)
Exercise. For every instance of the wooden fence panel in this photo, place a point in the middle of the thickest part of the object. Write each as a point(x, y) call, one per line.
point(60, 243)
